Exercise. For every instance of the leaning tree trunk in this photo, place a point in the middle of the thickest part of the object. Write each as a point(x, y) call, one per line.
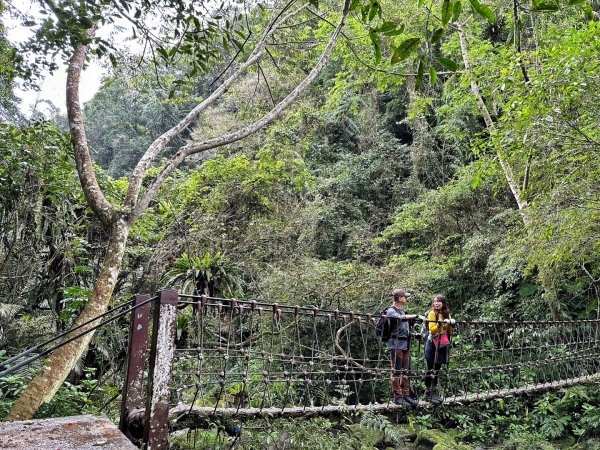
point(43, 387)
point(546, 276)
point(58, 366)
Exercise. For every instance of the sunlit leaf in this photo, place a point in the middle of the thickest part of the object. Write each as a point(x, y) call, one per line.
point(432, 75)
point(395, 32)
point(374, 10)
point(354, 5)
point(376, 41)
point(420, 72)
point(385, 27)
point(544, 5)
point(404, 50)
point(484, 11)
point(456, 10)
point(589, 13)
point(446, 11)
point(448, 64)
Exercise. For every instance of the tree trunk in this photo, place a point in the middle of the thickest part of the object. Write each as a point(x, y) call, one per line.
point(58, 366)
point(422, 145)
point(546, 276)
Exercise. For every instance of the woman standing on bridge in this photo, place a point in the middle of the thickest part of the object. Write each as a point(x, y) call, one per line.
point(437, 345)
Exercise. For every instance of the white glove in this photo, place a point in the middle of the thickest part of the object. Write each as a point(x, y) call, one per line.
point(450, 321)
point(420, 317)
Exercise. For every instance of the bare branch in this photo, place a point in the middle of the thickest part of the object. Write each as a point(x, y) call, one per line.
point(218, 77)
point(261, 72)
point(489, 122)
point(276, 111)
point(162, 141)
point(246, 131)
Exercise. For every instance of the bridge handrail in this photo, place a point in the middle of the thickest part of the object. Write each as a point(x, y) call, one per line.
point(66, 333)
point(313, 310)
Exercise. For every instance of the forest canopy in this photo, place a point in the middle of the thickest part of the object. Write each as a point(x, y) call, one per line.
point(316, 153)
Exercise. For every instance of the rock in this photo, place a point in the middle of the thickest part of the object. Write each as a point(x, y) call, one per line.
point(528, 442)
point(368, 436)
point(407, 432)
point(592, 444)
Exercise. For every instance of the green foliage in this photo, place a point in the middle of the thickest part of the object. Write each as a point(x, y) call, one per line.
point(213, 275)
point(70, 399)
point(374, 180)
point(373, 431)
point(536, 420)
point(9, 67)
point(74, 298)
point(73, 399)
point(46, 233)
point(483, 10)
point(199, 37)
point(250, 185)
point(139, 111)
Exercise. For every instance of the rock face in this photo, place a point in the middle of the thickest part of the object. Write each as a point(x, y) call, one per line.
point(64, 433)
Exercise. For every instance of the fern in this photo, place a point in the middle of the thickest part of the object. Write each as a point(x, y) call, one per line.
point(377, 422)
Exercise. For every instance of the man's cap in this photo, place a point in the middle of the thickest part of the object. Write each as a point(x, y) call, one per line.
point(398, 293)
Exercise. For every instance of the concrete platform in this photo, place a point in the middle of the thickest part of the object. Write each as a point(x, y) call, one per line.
point(64, 433)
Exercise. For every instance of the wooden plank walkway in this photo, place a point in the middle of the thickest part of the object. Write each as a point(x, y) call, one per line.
point(64, 433)
point(186, 412)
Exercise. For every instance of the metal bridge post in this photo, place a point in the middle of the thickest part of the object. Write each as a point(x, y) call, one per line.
point(133, 394)
point(164, 324)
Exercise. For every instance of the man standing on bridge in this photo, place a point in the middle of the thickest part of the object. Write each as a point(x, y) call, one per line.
point(399, 348)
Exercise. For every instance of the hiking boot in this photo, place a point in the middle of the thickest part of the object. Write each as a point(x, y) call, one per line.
point(435, 399)
point(401, 401)
point(413, 403)
point(428, 395)
point(432, 397)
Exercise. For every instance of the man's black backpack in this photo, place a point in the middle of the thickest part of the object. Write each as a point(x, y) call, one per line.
point(383, 328)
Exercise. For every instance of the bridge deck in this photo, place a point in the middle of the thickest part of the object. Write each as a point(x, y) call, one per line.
point(195, 412)
point(64, 433)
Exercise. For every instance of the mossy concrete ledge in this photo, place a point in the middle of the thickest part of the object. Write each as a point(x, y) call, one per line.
point(65, 433)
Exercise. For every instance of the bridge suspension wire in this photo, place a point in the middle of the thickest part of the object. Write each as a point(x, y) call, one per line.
point(250, 358)
point(68, 334)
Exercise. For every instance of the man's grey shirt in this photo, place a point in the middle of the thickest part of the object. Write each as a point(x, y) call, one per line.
point(401, 329)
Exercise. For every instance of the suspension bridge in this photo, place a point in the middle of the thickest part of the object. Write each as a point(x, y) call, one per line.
point(195, 358)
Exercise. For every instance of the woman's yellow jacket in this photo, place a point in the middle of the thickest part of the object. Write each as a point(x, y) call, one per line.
point(435, 327)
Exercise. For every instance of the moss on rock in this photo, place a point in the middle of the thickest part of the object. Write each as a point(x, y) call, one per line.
point(438, 440)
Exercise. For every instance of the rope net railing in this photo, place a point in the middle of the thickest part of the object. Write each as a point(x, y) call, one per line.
point(226, 358)
point(247, 358)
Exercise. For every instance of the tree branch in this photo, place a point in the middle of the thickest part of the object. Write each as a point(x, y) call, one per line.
point(244, 132)
point(276, 111)
point(517, 39)
point(162, 141)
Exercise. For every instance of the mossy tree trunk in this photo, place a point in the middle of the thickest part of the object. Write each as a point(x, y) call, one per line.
point(61, 362)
